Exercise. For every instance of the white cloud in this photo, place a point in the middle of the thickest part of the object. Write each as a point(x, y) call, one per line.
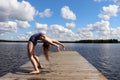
point(104, 17)
point(21, 37)
point(85, 33)
point(70, 25)
point(23, 24)
point(67, 13)
point(41, 27)
point(100, 0)
point(46, 13)
point(62, 33)
point(100, 26)
point(24, 36)
point(115, 31)
point(30, 33)
point(12, 9)
point(108, 12)
point(117, 1)
point(100, 29)
point(54, 31)
point(8, 27)
point(59, 29)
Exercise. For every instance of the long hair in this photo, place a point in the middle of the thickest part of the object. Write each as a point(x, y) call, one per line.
point(46, 45)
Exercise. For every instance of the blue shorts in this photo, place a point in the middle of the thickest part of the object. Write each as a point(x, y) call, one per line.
point(34, 38)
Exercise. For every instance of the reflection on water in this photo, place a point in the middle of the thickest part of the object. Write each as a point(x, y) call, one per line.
point(11, 56)
point(105, 57)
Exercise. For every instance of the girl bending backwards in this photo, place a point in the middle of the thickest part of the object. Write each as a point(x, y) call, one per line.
point(46, 45)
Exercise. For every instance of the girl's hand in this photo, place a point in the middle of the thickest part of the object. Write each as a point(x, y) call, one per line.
point(58, 48)
point(64, 48)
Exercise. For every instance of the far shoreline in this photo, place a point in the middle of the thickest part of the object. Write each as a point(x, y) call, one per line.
point(80, 41)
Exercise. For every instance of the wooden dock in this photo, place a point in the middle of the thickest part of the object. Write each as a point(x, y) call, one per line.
point(65, 65)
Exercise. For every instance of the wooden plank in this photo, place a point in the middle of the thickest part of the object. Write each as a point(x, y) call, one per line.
point(65, 65)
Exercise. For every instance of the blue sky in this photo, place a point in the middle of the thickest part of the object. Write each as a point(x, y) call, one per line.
point(60, 19)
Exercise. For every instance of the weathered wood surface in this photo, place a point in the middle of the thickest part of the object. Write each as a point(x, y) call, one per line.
point(65, 65)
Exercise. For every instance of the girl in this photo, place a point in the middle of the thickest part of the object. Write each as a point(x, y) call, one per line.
point(31, 49)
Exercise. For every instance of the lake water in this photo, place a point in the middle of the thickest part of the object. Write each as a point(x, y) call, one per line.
point(105, 57)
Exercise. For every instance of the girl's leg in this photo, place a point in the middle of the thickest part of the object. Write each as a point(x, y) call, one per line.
point(31, 54)
point(38, 62)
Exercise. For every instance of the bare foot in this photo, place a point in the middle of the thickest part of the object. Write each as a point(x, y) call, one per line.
point(35, 72)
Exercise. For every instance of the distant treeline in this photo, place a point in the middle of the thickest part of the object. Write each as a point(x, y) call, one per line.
point(80, 41)
point(94, 41)
point(99, 41)
point(11, 41)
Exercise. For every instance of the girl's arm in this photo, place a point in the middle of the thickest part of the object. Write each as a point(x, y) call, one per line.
point(46, 39)
point(59, 43)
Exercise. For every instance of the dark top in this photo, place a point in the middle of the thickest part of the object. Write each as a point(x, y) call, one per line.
point(35, 37)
